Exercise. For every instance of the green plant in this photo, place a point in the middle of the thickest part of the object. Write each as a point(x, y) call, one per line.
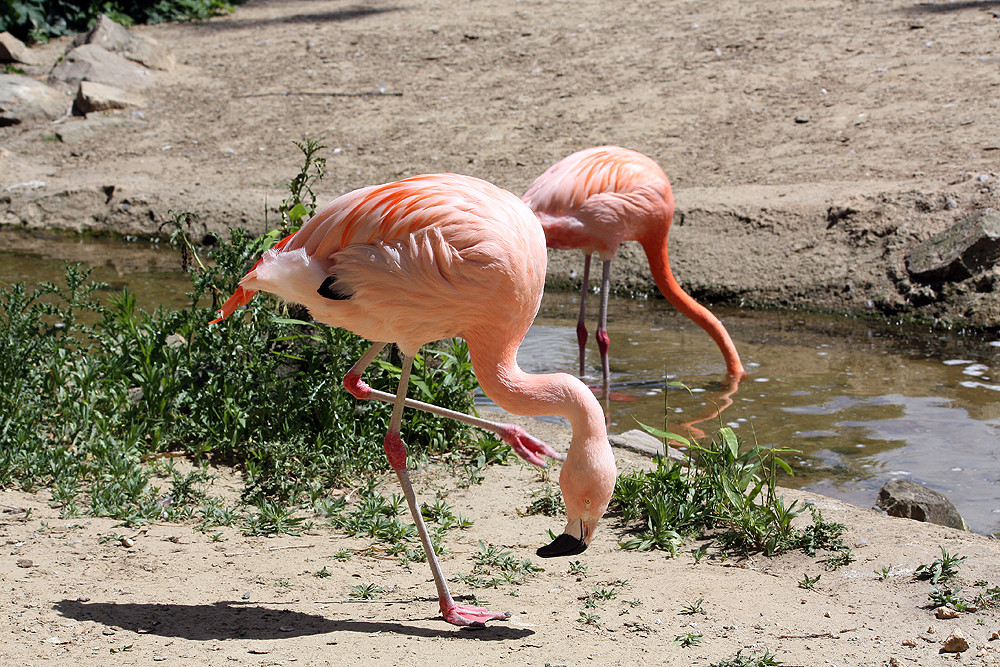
point(942, 569)
point(549, 502)
point(766, 659)
point(688, 639)
point(366, 591)
point(808, 583)
point(732, 489)
point(883, 573)
point(577, 568)
point(838, 560)
point(943, 597)
point(692, 608)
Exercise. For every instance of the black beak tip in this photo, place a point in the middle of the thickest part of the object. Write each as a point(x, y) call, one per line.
point(564, 545)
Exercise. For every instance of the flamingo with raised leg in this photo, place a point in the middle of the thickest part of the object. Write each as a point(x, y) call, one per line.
point(596, 199)
point(432, 257)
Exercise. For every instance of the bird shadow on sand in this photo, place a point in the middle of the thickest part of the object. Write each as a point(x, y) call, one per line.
point(236, 620)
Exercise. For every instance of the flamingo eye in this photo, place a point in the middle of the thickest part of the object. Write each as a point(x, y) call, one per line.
point(586, 501)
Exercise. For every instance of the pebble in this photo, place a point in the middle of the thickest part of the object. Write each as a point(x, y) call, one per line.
point(955, 643)
point(945, 612)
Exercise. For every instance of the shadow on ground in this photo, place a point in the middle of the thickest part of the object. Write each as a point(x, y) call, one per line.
point(235, 620)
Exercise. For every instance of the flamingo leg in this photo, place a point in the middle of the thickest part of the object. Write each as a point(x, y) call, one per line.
point(603, 341)
point(528, 447)
point(581, 327)
point(395, 450)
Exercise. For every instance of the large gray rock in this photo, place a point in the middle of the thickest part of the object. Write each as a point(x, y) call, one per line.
point(94, 96)
point(903, 498)
point(113, 37)
point(960, 252)
point(644, 443)
point(13, 50)
point(92, 63)
point(22, 99)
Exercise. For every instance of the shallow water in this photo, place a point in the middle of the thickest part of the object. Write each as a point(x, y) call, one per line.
point(863, 402)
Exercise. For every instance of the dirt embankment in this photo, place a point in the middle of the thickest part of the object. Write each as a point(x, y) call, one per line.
point(812, 146)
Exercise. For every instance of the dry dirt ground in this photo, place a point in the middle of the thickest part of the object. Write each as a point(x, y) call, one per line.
point(810, 145)
point(72, 595)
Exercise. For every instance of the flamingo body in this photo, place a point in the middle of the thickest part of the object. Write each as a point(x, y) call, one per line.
point(433, 257)
point(598, 198)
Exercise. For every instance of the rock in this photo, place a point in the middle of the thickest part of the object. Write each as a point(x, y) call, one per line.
point(961, 251)
point(77, 131)
point(946, 612)
point(955, 643)
point(13, 50)
point(910, 500)
point(643, 443)
point(92, 63)
point(114, 37)
point(22, 99)
point(24, 562)
point(94, 96)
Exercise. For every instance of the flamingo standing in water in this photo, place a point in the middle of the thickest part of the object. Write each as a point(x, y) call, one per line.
point(594, 200)
point(433, 257)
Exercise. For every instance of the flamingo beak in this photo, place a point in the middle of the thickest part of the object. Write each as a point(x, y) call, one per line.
point(567, 544)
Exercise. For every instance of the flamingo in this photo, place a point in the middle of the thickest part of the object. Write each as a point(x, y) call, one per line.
point(432, 257)
point(594, 200)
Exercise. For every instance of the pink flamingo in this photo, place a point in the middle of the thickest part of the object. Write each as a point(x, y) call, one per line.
point(599, 197)
point(433, 257)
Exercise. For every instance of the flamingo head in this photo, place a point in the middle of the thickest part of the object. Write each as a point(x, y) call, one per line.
point(587, 495)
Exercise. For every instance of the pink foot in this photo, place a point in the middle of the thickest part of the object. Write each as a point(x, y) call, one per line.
point(474, 617)
point(528, 447)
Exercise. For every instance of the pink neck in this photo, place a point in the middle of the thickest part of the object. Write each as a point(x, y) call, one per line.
point(655, 246)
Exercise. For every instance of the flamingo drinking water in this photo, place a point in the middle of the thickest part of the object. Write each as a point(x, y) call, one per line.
point(433, 257)
point(596, 199)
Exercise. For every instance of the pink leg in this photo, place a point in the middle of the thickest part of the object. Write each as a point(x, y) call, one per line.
point(603, 340)
point(581, 328)
point(395, 450)
point(526, 446)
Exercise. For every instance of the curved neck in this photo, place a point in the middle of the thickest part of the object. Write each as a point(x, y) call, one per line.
point(655, 246)
point(533, 395)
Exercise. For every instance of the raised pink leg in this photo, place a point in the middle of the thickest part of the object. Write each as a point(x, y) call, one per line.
point(581, 327)
point(526, 446)
point(603, 340)
point(395, 450)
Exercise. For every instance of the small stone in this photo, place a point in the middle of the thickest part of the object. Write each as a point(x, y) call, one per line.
point(995, 636)
point(802, 120)
point(956, 642)
point(175, 340)
point(24, 562)
point(127, 542)
point(946, 612)
point(909, 642)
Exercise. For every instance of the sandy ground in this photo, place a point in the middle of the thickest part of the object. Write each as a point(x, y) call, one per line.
point(71, 596)
point(810, 145)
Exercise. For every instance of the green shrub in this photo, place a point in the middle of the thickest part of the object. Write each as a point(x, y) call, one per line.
point(91, 392)
point(39, 20)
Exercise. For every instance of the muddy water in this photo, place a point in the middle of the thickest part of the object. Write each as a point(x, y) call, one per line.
point(863, 403)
